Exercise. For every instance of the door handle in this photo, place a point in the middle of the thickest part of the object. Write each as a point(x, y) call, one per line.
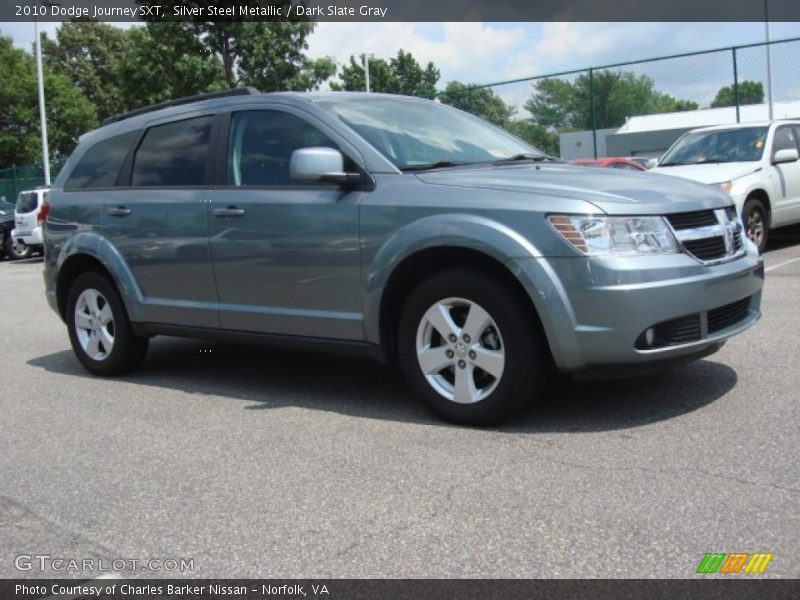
point(119, 211)
point(228, 211)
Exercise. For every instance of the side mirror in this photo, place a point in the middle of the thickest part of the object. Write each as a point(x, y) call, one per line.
point(320, 164)
point(786, 155)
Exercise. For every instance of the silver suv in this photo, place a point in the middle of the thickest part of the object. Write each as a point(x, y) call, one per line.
point(393, 226)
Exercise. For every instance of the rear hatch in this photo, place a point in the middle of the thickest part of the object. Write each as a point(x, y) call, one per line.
point(25, 213)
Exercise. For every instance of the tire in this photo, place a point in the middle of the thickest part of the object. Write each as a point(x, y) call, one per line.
point(17, 249)
point(754, 217)
point(102, 338)
point(505, 339)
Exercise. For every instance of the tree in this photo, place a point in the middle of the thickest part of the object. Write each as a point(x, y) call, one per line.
point(750, 92)
point(69, 113)
point(616, 95)
point(399, 75)
point(543, 138)
point(481, 101)
point(165, 61)
point(88, 53)
point(271, 57)
point(267, 55)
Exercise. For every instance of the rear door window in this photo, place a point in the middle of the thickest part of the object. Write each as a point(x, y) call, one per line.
point(175, 154)
point(99, 166)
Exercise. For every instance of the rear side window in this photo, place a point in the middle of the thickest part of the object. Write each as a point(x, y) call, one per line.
point(98, 168)
point(26, 202)
point(174, 154)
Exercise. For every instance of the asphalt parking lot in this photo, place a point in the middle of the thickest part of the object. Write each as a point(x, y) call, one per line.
point(263, 463)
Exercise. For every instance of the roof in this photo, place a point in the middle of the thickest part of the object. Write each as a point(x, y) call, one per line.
point(750, 114)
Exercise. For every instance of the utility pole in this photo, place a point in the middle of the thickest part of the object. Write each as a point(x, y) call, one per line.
point(366, 70)
point(42, 114)
point(769, 58)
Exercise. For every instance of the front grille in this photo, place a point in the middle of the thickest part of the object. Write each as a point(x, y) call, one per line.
point(678, 331)
point(737, 240)
point(707, 248)
point(692, 220)
point(725, 316)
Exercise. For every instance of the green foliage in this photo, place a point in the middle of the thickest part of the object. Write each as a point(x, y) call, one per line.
point(481, 101)
point(268, 56)
point(750, 92)
point(558, 103)
point(88, 54)
point(69, 113)
point(543, 138)
point(164, 61)
point(399, 75)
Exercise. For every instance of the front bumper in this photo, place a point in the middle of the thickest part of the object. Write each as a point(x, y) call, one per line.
point(599, 309)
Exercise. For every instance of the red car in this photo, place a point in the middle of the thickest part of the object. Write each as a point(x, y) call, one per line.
point(611, 162)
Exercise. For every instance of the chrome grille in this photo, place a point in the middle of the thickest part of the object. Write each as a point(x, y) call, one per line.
point(706, 248)
point(711, 236)
point(691, 220)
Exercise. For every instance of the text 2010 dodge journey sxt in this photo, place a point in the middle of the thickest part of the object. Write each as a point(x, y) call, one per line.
point(397, 226)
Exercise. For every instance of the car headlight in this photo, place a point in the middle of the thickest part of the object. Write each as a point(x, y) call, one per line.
point(615, 236)
point(725, 186)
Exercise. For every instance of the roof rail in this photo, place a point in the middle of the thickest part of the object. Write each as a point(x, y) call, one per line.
point(239, 91)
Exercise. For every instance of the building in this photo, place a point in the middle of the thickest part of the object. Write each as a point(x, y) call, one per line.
point(651, 135)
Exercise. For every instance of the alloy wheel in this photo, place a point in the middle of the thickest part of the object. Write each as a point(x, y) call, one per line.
point(460, 350)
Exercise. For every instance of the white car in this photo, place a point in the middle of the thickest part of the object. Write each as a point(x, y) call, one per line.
point(28, 220)
point(756, 163)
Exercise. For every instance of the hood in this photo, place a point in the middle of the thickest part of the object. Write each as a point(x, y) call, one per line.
point(711, 172)
point(613, 191)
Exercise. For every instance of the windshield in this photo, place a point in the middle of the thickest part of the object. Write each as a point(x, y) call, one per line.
point(726, 145)
point(413, 134)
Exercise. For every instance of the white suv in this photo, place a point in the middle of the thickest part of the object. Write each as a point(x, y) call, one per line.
point(28, 219)
point(756, 163)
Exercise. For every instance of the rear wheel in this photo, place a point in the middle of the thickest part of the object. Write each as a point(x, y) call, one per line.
point(99, 329)
point(17, 249)
point(471, 347)
point(754, 217)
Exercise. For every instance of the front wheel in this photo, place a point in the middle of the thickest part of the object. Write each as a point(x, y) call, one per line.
point(99, 330)
point(472, 348)
point(754, 217)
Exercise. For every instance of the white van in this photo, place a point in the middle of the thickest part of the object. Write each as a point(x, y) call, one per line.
point(28, 220)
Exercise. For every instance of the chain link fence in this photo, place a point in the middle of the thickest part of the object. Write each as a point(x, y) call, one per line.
point(26, 177)
point(638, 108)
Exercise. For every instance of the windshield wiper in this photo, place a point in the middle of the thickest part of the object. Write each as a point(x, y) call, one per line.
point(707, 161)
point(434, 165)
point(531, 157)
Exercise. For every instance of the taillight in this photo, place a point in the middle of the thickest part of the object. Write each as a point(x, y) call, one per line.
point(44, 209)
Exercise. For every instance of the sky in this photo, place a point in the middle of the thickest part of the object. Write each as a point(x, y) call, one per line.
point(489, 52)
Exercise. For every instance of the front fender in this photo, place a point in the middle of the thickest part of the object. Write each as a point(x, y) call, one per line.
point(471, 232)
